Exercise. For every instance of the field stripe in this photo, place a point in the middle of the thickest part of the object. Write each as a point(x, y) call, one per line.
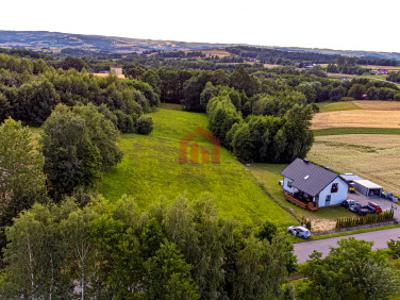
point(348, 130)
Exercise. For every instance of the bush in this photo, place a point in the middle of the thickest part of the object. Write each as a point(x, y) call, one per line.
point(267, 231)
point(394, 248)
point(144, 125)
point(125, 122)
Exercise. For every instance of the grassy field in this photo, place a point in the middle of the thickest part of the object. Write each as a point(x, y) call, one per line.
point(377, 105)
point(268, 175)
point(337, 106)
point(150, 172)
point(342, 131)
point(359, 105)
point(375, 157)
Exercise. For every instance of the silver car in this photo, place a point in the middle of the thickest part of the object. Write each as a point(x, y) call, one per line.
point(299, 231)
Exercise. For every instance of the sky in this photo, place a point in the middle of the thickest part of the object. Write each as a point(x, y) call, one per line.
point(335, 24)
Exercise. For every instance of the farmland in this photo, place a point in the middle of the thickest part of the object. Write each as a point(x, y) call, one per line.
point(150, 172)
point(375, 157)
point(357, 119)
point(358, 114)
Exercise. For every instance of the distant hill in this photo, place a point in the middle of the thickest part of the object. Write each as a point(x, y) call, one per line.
point(355, 53)
point(55, 42)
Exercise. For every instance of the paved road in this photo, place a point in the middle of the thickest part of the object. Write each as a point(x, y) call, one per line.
point(380, 238)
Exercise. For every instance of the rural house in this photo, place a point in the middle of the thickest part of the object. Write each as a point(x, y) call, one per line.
point(116, 70)
point(311, 186)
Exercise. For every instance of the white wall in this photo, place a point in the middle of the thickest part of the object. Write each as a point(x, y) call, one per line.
point(336, 198)
point(286, 188)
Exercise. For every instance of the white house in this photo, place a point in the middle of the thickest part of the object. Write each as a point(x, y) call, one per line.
point(314, 185)
point(116, 70)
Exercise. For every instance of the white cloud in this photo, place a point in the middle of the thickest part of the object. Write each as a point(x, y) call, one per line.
point(338, 24)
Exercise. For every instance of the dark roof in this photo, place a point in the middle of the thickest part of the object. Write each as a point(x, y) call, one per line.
point(308, 177)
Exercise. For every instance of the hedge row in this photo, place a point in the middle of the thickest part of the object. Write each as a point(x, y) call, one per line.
point(368, 219)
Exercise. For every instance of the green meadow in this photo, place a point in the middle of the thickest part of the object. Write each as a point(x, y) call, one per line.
point(150, 172)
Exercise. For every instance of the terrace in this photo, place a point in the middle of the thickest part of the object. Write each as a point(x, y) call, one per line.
point(301, 200)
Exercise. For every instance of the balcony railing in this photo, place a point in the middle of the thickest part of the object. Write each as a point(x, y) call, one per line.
point(306, 205)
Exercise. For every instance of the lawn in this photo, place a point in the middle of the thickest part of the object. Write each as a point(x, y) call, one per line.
point(373, 156)
point(268, 175)
point(344, 131)
point(337, 106)
point(359, 105)
point(150, 172)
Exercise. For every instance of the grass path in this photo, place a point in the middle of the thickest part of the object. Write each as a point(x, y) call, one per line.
point(337, 106)
point(348, 130)
point(150, 172)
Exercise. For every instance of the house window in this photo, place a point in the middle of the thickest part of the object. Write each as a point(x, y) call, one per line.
point(328, 200)
point(289, 184)
point(335, 188)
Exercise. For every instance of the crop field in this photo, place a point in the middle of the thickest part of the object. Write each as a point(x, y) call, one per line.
point(150, 172)
point(375, 157)
point(378, 105)
point(359, 105)
point(356, 119)
point(389, 68)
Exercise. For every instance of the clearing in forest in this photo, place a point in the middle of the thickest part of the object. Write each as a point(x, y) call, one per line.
point(150, 172)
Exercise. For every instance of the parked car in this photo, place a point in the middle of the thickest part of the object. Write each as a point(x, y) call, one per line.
point(352, 188)
point(299, 231)
point(347, 203)
point(389, 196)
point(374, 208)
point(359, 209)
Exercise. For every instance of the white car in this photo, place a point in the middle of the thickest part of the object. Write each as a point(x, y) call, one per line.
point(299, 231)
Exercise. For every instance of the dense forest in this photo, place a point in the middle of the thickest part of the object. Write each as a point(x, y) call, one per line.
point(62, 240)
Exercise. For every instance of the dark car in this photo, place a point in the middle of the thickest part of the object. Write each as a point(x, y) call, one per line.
point(347, 203)
point(359, 209)
point(389, 196)
point(374, 208)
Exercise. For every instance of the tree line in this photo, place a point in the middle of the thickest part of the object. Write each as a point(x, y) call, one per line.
point(30, 89)
point(182, 251)
point(394, 77)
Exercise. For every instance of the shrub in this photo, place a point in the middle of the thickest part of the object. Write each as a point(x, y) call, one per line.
point(144, 125)
point(394, 248)
point(125, 122)
point(306, 222)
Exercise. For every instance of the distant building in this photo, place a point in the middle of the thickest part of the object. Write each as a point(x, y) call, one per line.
point(116, 70)
point(380, 72)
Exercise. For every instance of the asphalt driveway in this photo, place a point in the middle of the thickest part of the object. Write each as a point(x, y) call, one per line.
point(383, 203)
point(379, 238)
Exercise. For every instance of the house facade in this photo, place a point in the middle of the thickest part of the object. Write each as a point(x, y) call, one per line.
point(313, 185)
